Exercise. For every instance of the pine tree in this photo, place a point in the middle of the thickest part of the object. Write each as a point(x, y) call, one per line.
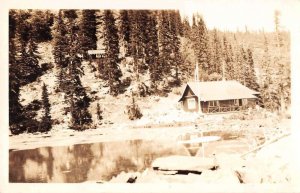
point(12, 23)
point(138, 39)
point(228, 59)
point(165, 49)
point(186, 28)
point(60, 49)
point(133, 110)
point(188, 60)
point(243, 66)
point(46, 122)
point(125, 30)
point(179, 22)
point(201, 47)
point(176, 60)
point(75, 92)
point(15, 108)
point(152, 51)
point(250, 77)
point(20, 72)
point(79, 101)
point(267, 92)
point(41, 22)
point(88, 27)
point(216, 65)
point(111, 44)
point(26, 50)
point(282, 68)
point(99, 112)
point(60, 42)
point(277, 29)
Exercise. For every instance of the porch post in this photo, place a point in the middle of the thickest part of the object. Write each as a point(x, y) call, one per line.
point(199, 106)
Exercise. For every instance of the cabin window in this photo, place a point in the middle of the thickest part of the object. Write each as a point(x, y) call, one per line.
point(213, 103)
point(236, 102)
point(191, 103)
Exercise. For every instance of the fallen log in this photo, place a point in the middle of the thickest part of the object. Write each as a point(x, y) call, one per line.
point(183, 164)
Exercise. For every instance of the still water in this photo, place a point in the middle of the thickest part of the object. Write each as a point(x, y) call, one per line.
point(87, 162)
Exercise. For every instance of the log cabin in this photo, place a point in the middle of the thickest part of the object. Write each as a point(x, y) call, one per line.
point(94, 54)
point(217, 96)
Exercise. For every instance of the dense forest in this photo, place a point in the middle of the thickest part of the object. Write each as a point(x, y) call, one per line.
point(160, 43)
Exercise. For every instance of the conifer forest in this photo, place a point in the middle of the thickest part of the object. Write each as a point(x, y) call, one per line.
point(146, 53)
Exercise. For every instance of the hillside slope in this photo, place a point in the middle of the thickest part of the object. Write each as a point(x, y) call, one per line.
point(155, 109)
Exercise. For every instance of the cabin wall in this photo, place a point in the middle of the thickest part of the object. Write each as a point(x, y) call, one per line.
point(226, 103)
point(185, 104)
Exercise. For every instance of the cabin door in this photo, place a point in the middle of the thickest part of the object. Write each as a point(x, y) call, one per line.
point(240, 102)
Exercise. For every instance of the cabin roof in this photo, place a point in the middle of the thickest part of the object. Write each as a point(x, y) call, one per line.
point(220, 90)
point(91, 52)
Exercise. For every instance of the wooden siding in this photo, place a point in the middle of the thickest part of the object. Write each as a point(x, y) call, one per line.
point(185, 104)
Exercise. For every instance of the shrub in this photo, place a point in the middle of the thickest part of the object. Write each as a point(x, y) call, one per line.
point(46, 66)
point(133, 111)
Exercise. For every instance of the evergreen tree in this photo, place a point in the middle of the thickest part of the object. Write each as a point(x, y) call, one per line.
point(179, 22)
point(133, 110)
point(99, 112)
point(79, 101)
point(216, 65)
point(41, 22)
point(243, 66)
point(174, 30)
point(152, 51)
point(12, 23)
point(88, 27)
point(15, 108)
point(111, 44)
point(76, 95)
point(26, 50)
point(21, 71)
point(125, 30)
point(81, 118)
point(186, 28)
point(228, 58)
point(46, 122)
point(279, 42)
point(267, 91)
point(201, 47)
point(139, 39)
point(282, 68)
point(250, 77)
point(60, 41)
point(60, 49)
point(165, 41)
point(188, 60)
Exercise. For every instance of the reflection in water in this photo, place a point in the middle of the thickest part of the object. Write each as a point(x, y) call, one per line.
point(87, 162)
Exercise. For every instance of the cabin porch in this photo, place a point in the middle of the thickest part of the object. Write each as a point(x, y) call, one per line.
point(227, 105)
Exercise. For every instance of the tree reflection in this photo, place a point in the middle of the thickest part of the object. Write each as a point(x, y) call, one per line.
point(87, 162)
point(81, 163)
point(17, 160)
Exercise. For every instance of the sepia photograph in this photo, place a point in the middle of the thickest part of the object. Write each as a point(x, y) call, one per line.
point(193, 94)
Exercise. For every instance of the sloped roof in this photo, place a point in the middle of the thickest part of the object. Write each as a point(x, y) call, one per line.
point(220, 90)
point(91, 52)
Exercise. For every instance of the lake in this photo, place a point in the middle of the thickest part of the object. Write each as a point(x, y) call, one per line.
point(103, 161)
point(87, 162)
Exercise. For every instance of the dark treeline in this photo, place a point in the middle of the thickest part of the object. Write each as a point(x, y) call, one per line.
point(160, 42)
